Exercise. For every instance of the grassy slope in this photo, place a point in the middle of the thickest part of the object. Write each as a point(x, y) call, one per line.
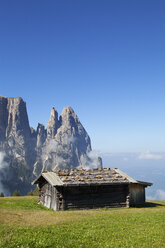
point(24, 223)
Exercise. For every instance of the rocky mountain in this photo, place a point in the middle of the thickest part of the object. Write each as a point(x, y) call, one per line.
point(26, 152)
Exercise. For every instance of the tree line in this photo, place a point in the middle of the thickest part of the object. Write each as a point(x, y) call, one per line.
point(17, 193)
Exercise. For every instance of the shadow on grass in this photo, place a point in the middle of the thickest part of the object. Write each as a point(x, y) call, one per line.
point(151, 205)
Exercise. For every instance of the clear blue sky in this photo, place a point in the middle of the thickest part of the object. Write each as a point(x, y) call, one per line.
point(105, 58)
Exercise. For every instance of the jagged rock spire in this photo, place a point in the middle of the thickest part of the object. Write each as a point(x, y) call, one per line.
point(13, 118)
point(41, 135)
point(52, 124)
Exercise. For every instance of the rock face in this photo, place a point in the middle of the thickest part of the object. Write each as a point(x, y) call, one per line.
point(63, 144)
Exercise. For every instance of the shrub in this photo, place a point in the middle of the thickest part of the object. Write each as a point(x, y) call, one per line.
point(30, 193)
point(34, 192)
point(1, 194)
point(16, 193)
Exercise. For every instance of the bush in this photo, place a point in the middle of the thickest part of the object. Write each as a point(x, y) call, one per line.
point(34, 192)
point(1, 194)
point(30, 193)
point(16, 193)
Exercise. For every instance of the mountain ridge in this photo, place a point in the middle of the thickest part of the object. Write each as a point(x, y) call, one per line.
point(63, 143)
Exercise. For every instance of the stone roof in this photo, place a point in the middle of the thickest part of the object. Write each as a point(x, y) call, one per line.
point(87, 177)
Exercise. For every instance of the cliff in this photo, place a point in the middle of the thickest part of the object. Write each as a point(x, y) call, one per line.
point(64, 143)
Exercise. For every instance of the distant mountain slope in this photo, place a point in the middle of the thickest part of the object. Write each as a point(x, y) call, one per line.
point(25, 152)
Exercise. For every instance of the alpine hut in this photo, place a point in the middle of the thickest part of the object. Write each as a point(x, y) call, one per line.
point(94, 188)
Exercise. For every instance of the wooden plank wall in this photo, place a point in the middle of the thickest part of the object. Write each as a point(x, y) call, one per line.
point(85, 197)
point(137, 194)
point(45, 193)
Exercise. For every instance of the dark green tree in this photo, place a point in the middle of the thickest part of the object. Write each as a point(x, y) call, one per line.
point(35, 192)
point(1, 194)
point(30, 193)
point(16, 193)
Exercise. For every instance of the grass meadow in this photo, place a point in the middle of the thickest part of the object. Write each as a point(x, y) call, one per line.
point(26, 224)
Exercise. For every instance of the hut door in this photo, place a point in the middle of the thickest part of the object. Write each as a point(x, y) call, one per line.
point(48, 196)
point(54, 200)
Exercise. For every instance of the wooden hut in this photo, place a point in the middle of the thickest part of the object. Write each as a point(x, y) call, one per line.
point(95, 188)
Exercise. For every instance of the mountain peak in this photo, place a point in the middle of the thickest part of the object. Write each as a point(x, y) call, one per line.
point(61, 145)
point(68, 110)
point(54, 113)
point(52, 124)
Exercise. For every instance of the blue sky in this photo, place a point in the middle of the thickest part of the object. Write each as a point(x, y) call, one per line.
point(104, 58)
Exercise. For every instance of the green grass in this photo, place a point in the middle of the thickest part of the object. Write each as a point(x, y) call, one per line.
point(23, 202)
point(24, 223)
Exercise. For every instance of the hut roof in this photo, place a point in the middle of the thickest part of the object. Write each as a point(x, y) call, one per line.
point(74, 177)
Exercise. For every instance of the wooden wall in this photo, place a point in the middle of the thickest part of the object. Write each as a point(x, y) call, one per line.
point(137, 194)
point(85, 197)
point(49, 196)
